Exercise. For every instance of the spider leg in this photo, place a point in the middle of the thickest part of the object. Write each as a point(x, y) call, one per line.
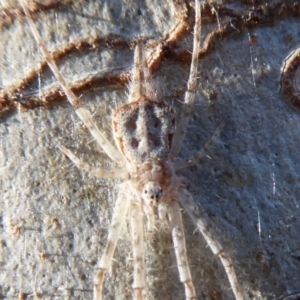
point(189, 95)
point(84, 115)
point(137, 232)
point(194, 159)
point(117, 173)
point(180, 250)
point(141, 79)
point(119, 216)
point(196, 215)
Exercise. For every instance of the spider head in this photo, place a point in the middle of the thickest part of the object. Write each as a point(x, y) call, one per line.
point(152, 192)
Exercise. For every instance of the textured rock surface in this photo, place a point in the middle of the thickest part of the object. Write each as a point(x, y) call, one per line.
point(54, 218)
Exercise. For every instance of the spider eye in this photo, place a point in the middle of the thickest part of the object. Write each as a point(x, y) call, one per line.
point(159, 193)
point(152, 192)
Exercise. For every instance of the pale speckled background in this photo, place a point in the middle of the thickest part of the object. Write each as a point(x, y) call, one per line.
point(251, 178)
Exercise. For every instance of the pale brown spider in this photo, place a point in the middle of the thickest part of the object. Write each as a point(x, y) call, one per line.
point(148, 140)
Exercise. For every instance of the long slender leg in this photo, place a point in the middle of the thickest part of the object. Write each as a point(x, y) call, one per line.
point(82, 113)
point(189, 96)
point(193, 160)
point(119, 216)
point(137, 232)
point(141, 79)
point(180, 250)
point(196, 215)
point(117, 173)
point(148, 82)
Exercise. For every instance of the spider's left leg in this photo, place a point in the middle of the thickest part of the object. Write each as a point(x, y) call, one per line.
point(116, 173)
point(194, 159)
point(119, 216)
point(196, 215)
point(137, 232)
point(180, 249)
point(189, 95)
point(84, 115)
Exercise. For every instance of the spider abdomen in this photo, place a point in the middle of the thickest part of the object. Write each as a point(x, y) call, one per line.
point(144, 130)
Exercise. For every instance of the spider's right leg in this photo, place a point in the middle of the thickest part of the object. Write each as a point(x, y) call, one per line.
point(194, 159)
point(113, 174)
point(119, 216)
point(180, 249)
point(189, 95)
point(196, 215)
point(83, 114)
point(137, 232)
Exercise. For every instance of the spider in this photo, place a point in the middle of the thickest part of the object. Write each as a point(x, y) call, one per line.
point(148, 139)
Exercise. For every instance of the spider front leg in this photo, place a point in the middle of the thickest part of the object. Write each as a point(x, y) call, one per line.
point(119, 216)
point(196, 215)
point(137, 233)
point(180, 250)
